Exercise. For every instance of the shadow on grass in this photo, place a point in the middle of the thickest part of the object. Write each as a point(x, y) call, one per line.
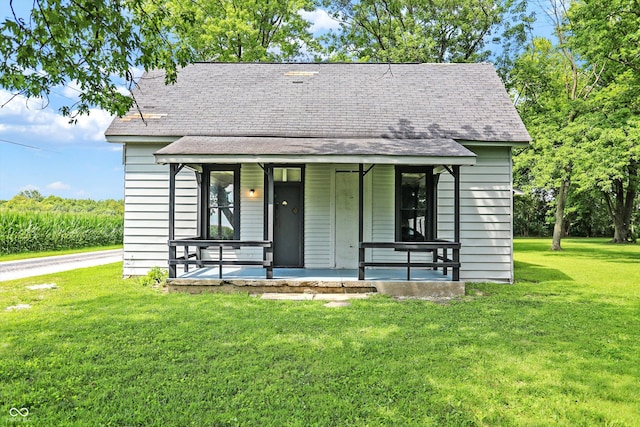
point(139, 358)
point(535, 273)
point(225, 360)
point(114, 353)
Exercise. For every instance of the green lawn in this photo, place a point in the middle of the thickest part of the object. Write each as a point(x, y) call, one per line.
point(560, 347)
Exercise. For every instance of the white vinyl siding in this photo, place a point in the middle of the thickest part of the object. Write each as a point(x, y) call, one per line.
point(251, 210)
point(485, 216)
point(486, 223)
point(146, 209)
point(384, 214)
point(318, 214)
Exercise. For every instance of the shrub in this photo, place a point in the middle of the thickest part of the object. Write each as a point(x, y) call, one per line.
point(156, 277)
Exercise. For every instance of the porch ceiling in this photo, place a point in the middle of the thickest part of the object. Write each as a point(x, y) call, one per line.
point(215, 149)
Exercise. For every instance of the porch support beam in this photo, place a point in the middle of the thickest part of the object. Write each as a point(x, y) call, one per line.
point(203, 211)
point(456, 223)
point(361, 256)
point(268, 217)
point(173, 171)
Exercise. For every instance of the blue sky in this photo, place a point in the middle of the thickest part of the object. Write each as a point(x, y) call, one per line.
point(40, 150)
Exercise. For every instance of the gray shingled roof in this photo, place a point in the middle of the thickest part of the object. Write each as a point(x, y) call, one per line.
point(397, 101)
point(203, 148)
point(304, 146)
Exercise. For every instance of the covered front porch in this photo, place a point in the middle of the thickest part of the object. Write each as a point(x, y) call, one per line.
point(409, 256)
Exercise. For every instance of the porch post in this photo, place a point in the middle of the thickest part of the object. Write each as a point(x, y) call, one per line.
point(203, 208)
point(268, 217)
point(456, 219)
point(360, 221)
point(203, 211)
point(173, 170)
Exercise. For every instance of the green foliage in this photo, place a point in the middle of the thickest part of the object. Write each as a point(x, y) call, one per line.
point(530, 214)
point(96, 44)
point(227, 233)
point(579, 100)
point(87, 43)
point(434, 31)
point(30, 222)
point(33, 201)
point(46, 231)
point(238, 31)
point(608, 31)
point(560, 347)
point(156, 277)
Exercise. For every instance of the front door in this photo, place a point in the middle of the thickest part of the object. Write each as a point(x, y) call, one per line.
point(287, 230)
point(346, 238)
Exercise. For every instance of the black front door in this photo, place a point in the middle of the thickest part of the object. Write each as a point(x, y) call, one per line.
point(287, 230)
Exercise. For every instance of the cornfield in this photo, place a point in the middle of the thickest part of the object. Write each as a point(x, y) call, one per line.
point(50, 231)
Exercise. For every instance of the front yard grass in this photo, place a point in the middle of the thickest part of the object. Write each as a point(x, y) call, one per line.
point(561, 347)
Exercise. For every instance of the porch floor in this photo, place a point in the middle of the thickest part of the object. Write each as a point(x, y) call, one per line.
point(397, 274)
point(423, 283)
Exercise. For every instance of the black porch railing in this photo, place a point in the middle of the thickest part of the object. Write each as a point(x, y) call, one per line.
point(439, 250)
point(195, 258)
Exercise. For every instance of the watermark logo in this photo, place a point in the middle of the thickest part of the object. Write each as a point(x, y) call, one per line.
point(19, 412)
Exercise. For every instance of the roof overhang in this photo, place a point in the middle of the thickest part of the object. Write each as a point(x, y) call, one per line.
point(224, 150)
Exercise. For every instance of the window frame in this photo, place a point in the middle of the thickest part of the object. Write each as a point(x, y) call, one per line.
point(235, 168)
point(431, 215)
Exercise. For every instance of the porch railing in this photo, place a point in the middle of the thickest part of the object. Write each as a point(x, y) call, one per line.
point(195, 258)
point(439, 250)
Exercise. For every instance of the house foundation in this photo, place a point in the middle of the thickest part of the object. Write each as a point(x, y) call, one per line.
point(386, 282)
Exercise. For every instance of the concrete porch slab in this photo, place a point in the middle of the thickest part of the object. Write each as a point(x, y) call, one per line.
point(312, 297)
point(310, 283)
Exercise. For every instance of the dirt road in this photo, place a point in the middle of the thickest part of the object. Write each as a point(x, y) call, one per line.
point(11, 270)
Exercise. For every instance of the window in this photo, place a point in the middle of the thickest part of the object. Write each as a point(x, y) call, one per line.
point(291, 174)
point(224, 203)
point(415, 204)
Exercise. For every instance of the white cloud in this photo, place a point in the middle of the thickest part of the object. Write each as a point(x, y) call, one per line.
point(58, 185)
point(320, 20)
point(72, 90)
point(27, 118)
point(29, 187)
point(123, 90)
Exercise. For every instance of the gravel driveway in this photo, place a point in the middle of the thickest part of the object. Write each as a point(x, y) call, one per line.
point(11, 270)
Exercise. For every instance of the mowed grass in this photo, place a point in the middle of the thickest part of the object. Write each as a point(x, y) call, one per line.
point(560, 347)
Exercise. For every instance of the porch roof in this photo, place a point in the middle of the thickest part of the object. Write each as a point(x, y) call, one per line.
point(216, 149)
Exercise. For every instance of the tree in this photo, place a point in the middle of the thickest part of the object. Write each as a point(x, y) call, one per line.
point(426, 31)
point(238, 30)
point(94, 44)
point(551, 87)
point(88, 43)
point(608, 32)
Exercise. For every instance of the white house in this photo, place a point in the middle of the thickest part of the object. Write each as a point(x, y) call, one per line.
point(350, 168)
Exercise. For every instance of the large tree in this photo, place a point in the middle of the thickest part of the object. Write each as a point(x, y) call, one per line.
point(239, 30)
point(425, 31)
point(91, 44)
point(551, 87)
point(608, 32)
